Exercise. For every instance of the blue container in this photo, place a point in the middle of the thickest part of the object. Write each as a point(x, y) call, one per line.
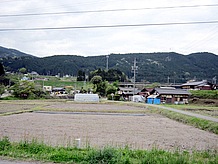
point(153, 101)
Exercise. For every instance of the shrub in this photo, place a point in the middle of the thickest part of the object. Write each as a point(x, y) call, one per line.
point(107, 155)
point(27, 90)
point(4, 144)
point(116, 97)
point(109, 97)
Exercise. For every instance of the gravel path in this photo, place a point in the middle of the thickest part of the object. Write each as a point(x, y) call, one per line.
point(3, 161)
point(187, 113)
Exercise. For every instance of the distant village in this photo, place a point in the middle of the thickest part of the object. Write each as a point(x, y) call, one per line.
point(173, 94)
point(137, 91)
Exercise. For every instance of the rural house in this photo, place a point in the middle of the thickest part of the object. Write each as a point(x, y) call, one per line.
point(127, 92)
point(146, 92)
point(199, 85)
point(168, 95)
point(127, 89)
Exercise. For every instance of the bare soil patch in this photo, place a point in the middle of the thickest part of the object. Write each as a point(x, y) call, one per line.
point(23, 105)
point(97, 130)
point(6, 108)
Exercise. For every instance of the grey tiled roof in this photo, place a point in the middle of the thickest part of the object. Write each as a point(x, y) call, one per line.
point(171, 91)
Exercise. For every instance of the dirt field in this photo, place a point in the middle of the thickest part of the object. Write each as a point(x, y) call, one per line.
point(141, 131)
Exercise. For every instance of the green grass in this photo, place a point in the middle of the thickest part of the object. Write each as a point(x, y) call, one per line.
point(196, 122)
point(63, 83)
point(207, 94)
point(36, 151)
point(10, 98)
point(191, 106)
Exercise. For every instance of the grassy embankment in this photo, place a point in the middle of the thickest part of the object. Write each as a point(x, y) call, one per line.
point(33, 150)
point(193, 121)
point(205, 94)
point(207, 110)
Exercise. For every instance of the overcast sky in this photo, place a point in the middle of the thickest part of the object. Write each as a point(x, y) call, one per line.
point(184, 39)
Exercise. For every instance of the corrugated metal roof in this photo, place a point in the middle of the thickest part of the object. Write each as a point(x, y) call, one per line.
point(196, 83)
point(152, 96)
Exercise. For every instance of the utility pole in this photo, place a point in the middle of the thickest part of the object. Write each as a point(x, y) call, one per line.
point(43, 85)
point(107, 57)
point(214, 80)
point(168, 80)
point(134, 70)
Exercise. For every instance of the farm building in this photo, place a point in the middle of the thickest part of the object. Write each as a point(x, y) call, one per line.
point(199, 85)
point(169, 95)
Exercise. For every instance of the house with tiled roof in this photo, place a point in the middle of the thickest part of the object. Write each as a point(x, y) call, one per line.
point(169, 95)
point(199, 85)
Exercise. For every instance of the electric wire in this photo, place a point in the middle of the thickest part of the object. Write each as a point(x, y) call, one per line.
point(100, 11)
point(199, 42)
point(108, 26)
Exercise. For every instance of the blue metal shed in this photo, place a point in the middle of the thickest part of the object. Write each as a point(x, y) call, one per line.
point(153, 99)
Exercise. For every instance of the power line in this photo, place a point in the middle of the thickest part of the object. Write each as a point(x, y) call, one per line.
point(198, 42)
point(99, 11)
point(108, 26)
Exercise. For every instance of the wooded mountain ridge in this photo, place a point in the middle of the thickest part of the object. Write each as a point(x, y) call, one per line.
point(153, 67)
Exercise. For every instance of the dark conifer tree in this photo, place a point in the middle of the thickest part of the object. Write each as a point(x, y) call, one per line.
point(2, 71)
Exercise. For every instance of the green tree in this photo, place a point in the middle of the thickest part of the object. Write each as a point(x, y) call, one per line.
point(115, 75)
point(99, 85)
point(2, 71)
point(82, 90)
point(27, 89)
point(101, 88)
point(2, 89)
point(3, 80)
point(110, 75)
point(22, 70)
point(111, 89)
point(80, 75)
point(96, 80)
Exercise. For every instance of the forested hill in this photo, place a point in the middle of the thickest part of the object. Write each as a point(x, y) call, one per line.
point(152, 67)
point(7, 52)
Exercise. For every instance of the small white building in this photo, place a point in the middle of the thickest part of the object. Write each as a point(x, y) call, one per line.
point(79, 97)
